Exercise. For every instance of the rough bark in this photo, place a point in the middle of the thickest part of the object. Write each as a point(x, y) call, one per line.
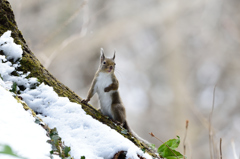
point(29, 63)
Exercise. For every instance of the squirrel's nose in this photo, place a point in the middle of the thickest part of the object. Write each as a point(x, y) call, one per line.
point(111, 67)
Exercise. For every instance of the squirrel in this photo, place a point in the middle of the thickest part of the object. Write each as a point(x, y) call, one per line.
point(106, 85)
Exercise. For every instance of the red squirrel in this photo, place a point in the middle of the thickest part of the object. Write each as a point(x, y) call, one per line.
point(106, 85)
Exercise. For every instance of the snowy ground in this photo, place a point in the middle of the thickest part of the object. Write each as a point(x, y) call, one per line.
point(19, 130)
point(85, 135)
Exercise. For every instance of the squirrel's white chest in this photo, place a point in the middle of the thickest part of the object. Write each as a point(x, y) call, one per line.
point(103, 80)
point(105, 98)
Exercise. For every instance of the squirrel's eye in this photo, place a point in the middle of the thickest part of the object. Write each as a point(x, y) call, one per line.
point(114, 64)
point(104, 62)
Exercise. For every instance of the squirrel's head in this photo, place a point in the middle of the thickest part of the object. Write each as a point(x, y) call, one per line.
point(107, 64)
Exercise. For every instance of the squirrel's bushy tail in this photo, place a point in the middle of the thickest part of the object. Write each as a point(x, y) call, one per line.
point(125, 125)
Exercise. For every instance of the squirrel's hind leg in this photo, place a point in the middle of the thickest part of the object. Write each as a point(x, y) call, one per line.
point(119, 114)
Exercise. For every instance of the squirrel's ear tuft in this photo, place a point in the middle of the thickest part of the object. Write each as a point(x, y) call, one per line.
point(102, 55)
point(114, 54)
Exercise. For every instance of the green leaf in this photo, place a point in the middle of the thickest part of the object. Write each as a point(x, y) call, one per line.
point(53, 132)
point(169, 151)
point(168, 154)
point(55, 139)
point(124, 131)
point(14, 87)
point(37, 121)
point(5, 149)
point(83, 157)
point(172, 143)
point(66, 151)
point(152, 146)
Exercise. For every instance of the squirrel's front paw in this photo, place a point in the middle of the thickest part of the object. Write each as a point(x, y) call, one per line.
point(107, 89)
point(84, 101)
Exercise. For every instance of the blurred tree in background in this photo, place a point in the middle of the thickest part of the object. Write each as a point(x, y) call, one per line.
point(170, 55)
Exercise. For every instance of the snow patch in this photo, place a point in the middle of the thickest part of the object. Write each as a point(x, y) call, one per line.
point(10, 49)
point(19, 130)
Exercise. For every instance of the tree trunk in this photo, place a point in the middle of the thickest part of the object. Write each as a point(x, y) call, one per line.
point(29, 63)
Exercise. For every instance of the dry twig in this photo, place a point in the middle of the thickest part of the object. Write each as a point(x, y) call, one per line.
point(184, 140)
point(210, 127)
point(220, 148)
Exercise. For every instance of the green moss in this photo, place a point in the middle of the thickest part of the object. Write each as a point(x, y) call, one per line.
point(26, 107)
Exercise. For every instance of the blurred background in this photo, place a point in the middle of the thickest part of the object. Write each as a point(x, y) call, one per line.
point(170, 56)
